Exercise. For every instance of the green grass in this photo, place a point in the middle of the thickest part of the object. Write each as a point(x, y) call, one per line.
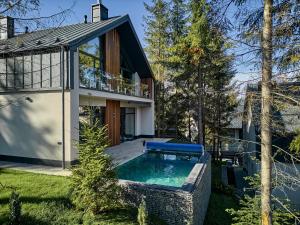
point(45, 201)
point(219, 202)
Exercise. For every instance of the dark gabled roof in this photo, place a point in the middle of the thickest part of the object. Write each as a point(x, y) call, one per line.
point(76, 34)
point(236, 121)
point(285, 117)
point(52, 37)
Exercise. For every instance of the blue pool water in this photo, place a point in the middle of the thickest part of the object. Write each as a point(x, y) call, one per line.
point(154, 168)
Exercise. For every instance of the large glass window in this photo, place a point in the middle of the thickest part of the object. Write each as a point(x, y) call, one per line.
point(127, 69)
point(92, 114)
point(91, 62)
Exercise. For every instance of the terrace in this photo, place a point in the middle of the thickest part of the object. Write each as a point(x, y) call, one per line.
point(100, 80)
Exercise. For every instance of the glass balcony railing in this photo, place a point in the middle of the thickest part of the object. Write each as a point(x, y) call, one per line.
point(103, 81)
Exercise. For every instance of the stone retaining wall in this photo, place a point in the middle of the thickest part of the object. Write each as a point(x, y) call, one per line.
point(176, 206)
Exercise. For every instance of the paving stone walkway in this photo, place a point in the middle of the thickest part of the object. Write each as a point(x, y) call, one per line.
point(120, 154)
point(48, 170)
point(128, 150)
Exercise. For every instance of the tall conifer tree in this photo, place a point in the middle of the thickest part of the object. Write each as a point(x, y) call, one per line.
point(157, 40)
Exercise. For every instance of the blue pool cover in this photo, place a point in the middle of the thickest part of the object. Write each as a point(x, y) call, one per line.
point(174, 147)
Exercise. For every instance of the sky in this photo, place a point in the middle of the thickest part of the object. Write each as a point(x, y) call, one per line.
point(135, 9)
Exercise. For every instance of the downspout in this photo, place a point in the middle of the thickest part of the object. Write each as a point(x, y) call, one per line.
point(62, 67)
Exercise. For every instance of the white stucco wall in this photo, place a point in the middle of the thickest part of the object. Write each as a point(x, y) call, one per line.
point(147, 120)
point(138, 122)
point(91, 101)
point(33, 129)
point(73, 124)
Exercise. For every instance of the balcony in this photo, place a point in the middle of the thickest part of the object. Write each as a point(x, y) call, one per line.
point(96, 79)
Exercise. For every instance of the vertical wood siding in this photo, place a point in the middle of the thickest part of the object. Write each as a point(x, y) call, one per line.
point(112, 52)
point(112, 119)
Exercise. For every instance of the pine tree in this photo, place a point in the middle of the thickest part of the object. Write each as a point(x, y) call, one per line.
point(157, 40)
point(249, 211)
point(176, 68)
point(199, 37)
point(198, 62)
point(94, 182)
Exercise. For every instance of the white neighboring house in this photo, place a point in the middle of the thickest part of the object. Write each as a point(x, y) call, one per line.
point(49, 79)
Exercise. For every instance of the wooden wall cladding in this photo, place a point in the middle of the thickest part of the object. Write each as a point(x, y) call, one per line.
point(112, 119)
point(112, 52)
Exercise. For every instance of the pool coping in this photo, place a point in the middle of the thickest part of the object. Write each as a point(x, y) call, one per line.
point(188, 185)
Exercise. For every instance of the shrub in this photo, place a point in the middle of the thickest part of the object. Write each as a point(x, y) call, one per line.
point(249, 211)
point(142, 214)
point(93, 180)
point(14, 209)
point(295, 144)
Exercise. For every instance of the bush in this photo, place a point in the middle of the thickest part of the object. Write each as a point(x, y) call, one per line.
point(93, 181)
point(14, 209)
point(249, 211)
point(142, 214)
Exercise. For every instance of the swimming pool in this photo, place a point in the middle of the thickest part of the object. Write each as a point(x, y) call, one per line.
point(158, 168)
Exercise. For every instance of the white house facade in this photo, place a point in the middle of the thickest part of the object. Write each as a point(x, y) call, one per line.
point(50, 79)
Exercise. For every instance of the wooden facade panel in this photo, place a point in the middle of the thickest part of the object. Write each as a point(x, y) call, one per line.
point(112, 52)
point(112, 119)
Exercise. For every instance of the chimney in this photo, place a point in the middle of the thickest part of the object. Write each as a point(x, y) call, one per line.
point(99, 12)
point(7, 27)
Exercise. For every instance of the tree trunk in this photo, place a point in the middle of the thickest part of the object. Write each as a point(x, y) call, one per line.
point(266, 133)
point(200, 107)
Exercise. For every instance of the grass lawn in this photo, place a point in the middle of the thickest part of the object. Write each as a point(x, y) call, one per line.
point(45, 201)
point(219, 202)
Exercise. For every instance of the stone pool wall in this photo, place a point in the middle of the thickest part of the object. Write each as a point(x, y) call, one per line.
point(176, 206)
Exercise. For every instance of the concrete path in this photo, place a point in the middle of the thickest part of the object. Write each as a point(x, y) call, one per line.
point(120, 154)
point(48, 170)
point(128, 150)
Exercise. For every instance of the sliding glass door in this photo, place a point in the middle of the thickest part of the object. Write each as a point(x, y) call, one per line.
point(127, 124)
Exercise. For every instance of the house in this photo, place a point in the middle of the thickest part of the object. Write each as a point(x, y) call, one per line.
point(51, 78)
point(234, 130)
point(285, 122)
